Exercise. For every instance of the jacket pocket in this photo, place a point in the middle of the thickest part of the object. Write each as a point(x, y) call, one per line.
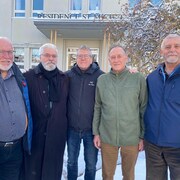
point(174, 94)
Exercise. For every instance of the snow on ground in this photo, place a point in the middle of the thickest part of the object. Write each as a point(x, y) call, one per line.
point(140, 170)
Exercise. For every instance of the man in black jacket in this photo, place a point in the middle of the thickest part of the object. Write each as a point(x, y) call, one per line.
point(83, 77)
point(48, 92)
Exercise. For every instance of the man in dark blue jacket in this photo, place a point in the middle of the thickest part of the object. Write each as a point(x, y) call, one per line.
point(83, 77)
point(162, 116)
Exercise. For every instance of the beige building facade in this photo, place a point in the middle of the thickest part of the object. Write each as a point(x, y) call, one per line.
point(66, 23)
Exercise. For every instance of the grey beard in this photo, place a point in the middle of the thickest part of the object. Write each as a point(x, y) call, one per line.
point(49, 67)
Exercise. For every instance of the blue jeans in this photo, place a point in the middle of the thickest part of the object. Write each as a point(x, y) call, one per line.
point(90, 154)
point(159, 159)
point(11, 159)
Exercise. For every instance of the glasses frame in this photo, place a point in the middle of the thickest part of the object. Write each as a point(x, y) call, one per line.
point(49, 55)
point(10, 53)
point(84, 56)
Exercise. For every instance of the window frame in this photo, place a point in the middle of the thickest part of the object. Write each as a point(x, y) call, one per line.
point(96, 10)
point(19, 11)
point(93, 12)
point(37, 11)
point(22, 54)
point(34, 64)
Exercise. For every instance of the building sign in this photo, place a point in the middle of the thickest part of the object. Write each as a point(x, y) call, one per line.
point(94, 16)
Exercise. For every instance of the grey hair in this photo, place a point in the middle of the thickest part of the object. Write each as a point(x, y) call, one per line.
point(47, 45)
point(84, 47)
point(169, 36)
point(116, 45)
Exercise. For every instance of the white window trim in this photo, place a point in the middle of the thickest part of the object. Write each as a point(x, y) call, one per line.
point(36, 11)
point(19, 12)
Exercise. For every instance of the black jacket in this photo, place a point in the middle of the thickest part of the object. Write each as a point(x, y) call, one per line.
point(82, 96)
point(50, 127)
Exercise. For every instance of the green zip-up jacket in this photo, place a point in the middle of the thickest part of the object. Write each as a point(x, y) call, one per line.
point(119, 108)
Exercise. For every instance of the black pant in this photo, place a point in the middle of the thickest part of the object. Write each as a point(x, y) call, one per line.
point(11, 157)
point(159, 160)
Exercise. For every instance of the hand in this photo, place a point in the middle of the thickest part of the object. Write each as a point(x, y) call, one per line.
point(133, 70)
point(97, 141)
point(141, 145)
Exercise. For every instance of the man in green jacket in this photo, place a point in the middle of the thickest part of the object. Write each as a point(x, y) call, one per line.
point(121, 99)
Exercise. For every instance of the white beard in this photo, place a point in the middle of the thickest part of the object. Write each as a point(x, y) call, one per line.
point(5, 68)
point(49, 66)
point(172, 60)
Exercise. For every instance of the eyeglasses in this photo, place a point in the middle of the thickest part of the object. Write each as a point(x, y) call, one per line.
point(85, 56)
point(49, 55)
point(9, 53)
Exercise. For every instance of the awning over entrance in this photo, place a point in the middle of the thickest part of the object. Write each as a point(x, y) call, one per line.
point(72, 28)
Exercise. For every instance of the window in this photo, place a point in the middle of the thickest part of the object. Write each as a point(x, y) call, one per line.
point(19, 57)
point(94, 8)
point(19, 8)
point(94, 5)
point(38, 6)
point(76, 5)
point(133, 3)
point(35, 59)
point(156, 2)
point(72, 52)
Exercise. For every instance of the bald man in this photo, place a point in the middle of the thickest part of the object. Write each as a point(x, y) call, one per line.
point(15, 113)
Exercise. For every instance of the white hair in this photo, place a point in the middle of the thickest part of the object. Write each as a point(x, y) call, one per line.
point(169, 37)
point(47, 45)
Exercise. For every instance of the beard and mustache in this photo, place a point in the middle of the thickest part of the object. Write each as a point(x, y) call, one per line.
point(49, 66)
point(172, 58)
point(5, 68)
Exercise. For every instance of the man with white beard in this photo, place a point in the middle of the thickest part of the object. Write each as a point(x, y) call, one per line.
point(162, 115)
point(15, 120)
point(48, 92)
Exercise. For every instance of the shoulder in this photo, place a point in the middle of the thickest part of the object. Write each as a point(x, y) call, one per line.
point(140, 75)
point(137, 75)
point(29, 73)
point(100, 72)
point(67, 72)
point(153, 74)
point(72, 72)
point(63, 75)
point(96, 74)
point(103, 77)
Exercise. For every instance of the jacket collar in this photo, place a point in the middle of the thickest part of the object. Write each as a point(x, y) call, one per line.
point(92, 68)
point(37, 70)
point(17, 73)
point(124, 71)
point(161, 70)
